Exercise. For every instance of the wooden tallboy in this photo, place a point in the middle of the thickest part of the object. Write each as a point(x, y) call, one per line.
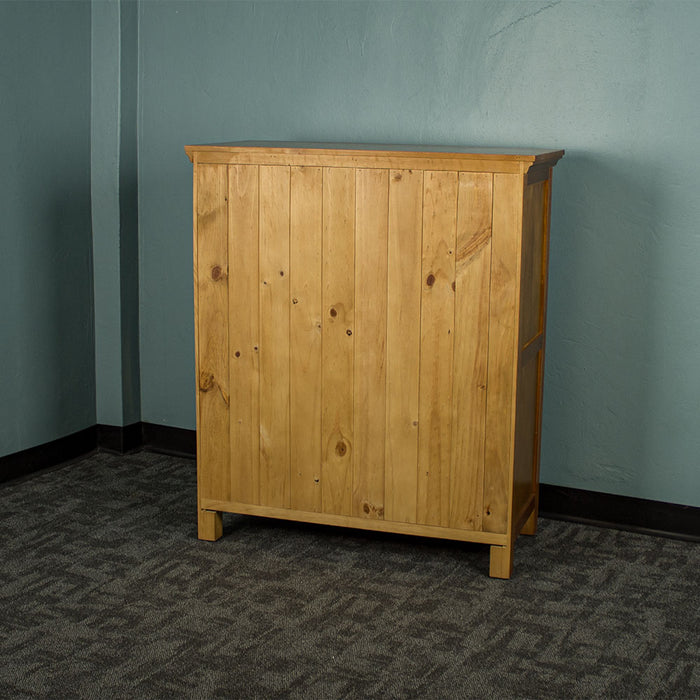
point(370, 325)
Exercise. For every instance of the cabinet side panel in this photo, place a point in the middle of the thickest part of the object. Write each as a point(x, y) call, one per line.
point(372, 192)
point(274, 336)
point(503, 355)
point(436, 355)
point(338, 339)
point(532, 282)
point(244, 333)
point(472, 290)
point(212, 328)
point(306, 212)
point(525, 432)
point(403, 343)
point(538, 207)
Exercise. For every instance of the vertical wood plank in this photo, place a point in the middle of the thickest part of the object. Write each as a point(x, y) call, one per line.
point(338, 340)
point(503, 351)
point(212, 327)
point(372, 192)
point(436, 359)
point(472, 286)
point(306, 225)
point(244, 333)
point(274, 336)
point(532, 283)
point(546, 194)
point(403, 343)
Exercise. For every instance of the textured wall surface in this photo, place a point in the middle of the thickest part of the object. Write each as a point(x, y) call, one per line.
point(615, 83)
point(114, 172)
point(47, 373)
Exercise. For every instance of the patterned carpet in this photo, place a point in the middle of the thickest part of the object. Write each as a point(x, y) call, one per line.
point(106, 593)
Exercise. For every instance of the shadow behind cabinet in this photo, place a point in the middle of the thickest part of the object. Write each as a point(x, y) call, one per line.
point(370, 337)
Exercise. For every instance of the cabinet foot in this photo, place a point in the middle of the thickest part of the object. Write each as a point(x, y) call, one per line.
point(210, 525)
point(530, 526)
point(501, 565)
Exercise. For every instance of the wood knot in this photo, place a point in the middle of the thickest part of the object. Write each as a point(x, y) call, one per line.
point(295, 300)
point(454, 287)
point(430, 280)
point(341, 448)
point(206, 381)
point(373, 511)
point(216, 273)
point(237, 353)
point(398, 177)
point(333, 312)
point(348, 331)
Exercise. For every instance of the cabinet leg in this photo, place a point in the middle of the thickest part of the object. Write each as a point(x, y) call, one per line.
point(530, 526)
point(210, 525)
point(501, 565)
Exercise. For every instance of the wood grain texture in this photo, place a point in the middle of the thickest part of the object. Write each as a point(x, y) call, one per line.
point(530, 526)
point(436, 354)
point(532, 281)
point(472, 293)
point(306, 226)
point(370, 338)
point(403, 343)
point(353, 522)
point(371, 206)
point(503, 351)
point(212, 329)
point(244, 335)
point(376, 155)
point(524, 453)
point(338, 340)
point(274, 336)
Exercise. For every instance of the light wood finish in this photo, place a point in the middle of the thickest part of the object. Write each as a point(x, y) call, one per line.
point(418, 530)
point(472, 296)
point(370, 337)
point(210, 525)
point(436, 349)
point(305, 311)
point(369, 412)
point(404, 285)
point(244, 331)
point(337, 425)
point(212, 327)
point(274, 336)
point(502, 360)
point(400, 157)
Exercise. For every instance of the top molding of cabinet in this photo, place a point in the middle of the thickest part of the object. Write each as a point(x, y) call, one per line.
point(362, 155)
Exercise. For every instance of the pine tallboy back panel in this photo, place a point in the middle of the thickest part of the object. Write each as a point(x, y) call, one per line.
point(370, 336)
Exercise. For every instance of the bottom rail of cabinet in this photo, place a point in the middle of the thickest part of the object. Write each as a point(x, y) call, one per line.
point(501, 562)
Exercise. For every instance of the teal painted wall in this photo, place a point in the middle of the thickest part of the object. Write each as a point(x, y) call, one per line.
point(104, 155)
point(615, 83)
point(114, 196)
point(47, 373)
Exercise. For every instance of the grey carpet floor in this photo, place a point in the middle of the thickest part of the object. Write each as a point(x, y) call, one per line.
point(106, 593)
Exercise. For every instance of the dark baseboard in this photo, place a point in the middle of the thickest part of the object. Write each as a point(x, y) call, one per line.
point(120, 439)
point(621, 512)
point(173, 441)
point(178, 442)
point(112, 438)
point(557, 502)
point(34, 459)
